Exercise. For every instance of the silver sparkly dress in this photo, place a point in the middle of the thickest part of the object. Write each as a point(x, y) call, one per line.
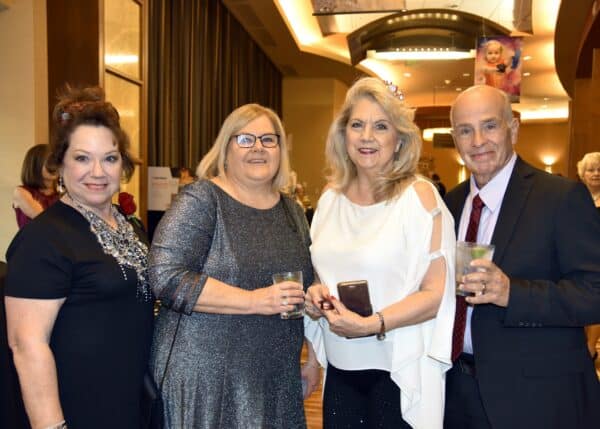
point(227, 371)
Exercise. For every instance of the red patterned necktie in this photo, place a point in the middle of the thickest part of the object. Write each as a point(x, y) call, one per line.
point(460, 317)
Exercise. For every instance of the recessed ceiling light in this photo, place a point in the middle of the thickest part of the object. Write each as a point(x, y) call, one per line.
point(466, 74)
point(407, 74)
point(527, 57)
point(546, 99)
point(526, 74)
point(458, 89)
point(447, 81)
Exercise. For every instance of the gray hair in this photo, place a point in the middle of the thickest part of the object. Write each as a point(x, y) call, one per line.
point(588, 158)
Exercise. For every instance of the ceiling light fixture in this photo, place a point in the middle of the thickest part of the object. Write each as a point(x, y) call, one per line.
point(429, 132)
point(423, 34)
point(405, 54)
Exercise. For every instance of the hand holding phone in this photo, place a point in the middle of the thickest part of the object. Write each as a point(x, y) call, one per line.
point(355, 296)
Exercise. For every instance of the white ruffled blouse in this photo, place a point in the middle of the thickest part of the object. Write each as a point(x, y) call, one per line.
point(388, 244)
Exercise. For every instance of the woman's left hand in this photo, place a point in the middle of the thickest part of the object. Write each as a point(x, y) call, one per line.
point(311, 374)
point(347, 323)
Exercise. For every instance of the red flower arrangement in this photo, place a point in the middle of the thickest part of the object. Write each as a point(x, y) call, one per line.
point(127, 204)
point(127, 207)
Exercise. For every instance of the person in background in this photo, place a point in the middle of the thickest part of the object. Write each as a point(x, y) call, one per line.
point(303, 201)
point(519, 347)
point(227, 357)
point(37, 191)
point(589, 173)
point(378, 221)
point(493, 67)
point(441, 188)
point(78, 303)
point(185, 177)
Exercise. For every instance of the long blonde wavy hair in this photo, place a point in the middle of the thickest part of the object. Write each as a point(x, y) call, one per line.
point(341, 170)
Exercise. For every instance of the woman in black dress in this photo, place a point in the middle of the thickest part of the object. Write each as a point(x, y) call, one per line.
point(78, 305)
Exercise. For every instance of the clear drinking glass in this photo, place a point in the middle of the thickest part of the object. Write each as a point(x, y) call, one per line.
point(465, 253)
point(292, 276)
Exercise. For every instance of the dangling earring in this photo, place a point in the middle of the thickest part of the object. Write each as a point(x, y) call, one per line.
point(61, 185)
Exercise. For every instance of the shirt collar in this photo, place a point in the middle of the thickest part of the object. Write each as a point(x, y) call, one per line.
point(492, 192)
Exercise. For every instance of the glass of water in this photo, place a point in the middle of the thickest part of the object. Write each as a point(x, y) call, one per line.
point(465, 253)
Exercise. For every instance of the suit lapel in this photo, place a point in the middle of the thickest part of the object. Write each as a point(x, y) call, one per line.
point(513, 202)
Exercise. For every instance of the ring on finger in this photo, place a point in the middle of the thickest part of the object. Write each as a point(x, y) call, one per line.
point(284, 302)
point(483, 286)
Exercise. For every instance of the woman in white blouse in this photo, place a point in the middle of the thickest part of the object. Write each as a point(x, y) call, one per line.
point(378, 221)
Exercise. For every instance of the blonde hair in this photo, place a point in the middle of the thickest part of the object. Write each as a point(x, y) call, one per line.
point(213, 163)
point(494, 43)
point(588, 158)
point(341, 169)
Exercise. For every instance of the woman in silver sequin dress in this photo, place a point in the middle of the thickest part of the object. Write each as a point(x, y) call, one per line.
point(234, 362)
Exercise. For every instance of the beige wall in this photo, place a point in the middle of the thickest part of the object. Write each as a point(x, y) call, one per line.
point(536, 140)
point(309, 106)
point(23, 98)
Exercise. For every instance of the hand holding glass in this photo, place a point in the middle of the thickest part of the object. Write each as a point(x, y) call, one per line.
point(465, 253)
point(292, 276)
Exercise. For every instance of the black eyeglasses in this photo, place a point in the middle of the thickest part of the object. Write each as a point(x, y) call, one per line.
point(248, 140)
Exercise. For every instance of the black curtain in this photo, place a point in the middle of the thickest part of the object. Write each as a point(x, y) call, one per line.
point(202, 64)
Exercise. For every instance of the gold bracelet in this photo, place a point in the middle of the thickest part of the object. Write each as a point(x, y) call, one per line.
point(381, 334)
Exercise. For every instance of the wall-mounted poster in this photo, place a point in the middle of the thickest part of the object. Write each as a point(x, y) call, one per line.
point(498, 64)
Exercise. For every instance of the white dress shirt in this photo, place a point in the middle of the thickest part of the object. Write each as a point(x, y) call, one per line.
point(492, 195)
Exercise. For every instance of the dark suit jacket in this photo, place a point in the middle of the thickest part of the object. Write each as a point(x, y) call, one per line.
point(533, 367)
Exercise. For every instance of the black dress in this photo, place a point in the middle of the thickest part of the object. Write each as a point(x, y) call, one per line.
point(102, 334)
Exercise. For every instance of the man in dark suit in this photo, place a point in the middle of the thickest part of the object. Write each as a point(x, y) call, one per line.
point(519, 344)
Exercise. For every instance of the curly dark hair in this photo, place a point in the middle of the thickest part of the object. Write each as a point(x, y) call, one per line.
point(85, 106)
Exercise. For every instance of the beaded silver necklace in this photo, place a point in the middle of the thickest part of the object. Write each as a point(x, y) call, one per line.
point(123, 244)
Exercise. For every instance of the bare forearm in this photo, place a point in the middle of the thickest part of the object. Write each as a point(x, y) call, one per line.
point(221, 298)
point(416, 308)
point(39, 386)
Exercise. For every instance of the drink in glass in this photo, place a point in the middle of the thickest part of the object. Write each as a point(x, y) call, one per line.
point(292, 276)
point(465, 253)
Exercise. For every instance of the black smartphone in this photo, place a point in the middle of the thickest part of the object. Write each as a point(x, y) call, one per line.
point(355, 296)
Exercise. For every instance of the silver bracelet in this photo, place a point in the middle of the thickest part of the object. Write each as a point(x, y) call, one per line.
point(381, 334)
point(60, 425)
